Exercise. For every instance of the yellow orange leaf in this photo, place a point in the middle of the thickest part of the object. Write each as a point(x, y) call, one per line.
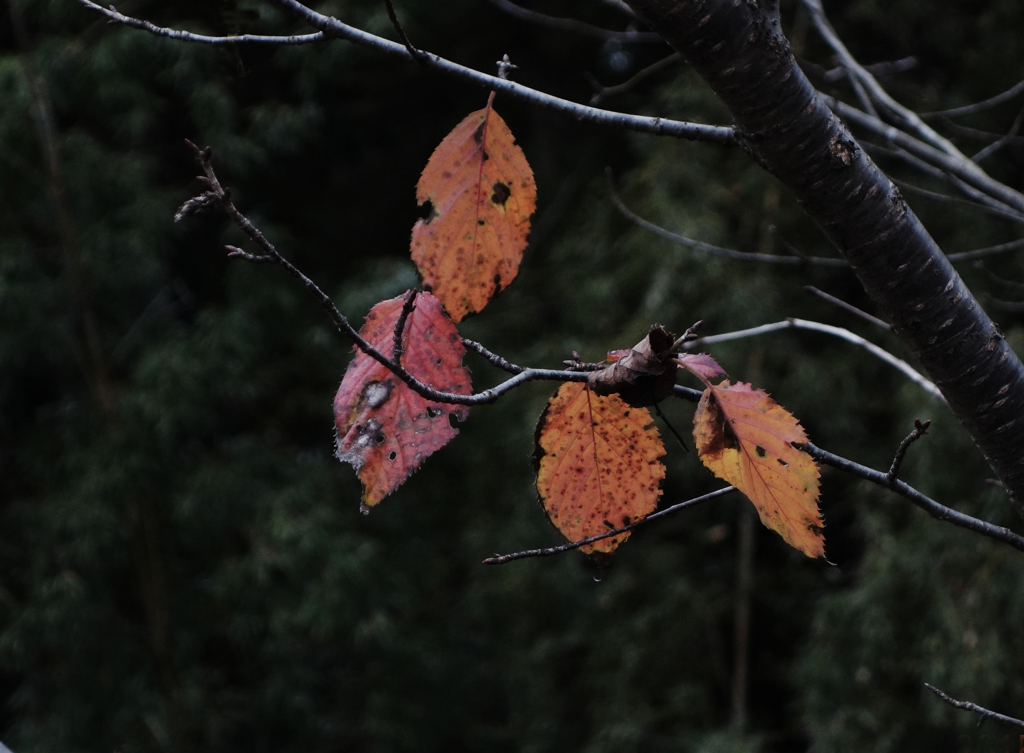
point(598, 465)
point(744, 437)
point(481, 196)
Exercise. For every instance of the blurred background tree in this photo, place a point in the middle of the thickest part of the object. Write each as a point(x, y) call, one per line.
point(182, 562)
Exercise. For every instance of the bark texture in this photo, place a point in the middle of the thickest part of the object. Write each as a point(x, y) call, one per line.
point(738, 48)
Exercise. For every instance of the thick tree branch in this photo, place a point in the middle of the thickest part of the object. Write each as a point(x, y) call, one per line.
point(739, 49)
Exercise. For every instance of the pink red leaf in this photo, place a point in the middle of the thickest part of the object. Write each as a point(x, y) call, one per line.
point(385, 430)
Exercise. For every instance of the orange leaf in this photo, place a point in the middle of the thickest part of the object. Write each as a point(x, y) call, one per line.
point(597, 465)
point(385, 430)
point(746, 438)
point(482, 195)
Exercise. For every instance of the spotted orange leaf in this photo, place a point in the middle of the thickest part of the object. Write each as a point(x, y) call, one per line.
point(385, 430)
point(597, 463)
point(746, 438)
point(481, 195)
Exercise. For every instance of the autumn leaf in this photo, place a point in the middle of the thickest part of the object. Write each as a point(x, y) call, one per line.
point(385, 430)
point(746, 438)
point(598, 465)
point(480, 194)
point(641, 376)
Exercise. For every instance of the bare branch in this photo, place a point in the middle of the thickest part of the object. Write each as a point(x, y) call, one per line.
point(933, 508)
point(961, 167)
point(848, 307)
point(1003, 141)
point(188, 36)
point(611, 91)
point(978, 253)
point(724, 135)
point(985, 104)
point(968, 706)
point(501, 559)
point(494, 358)
point(728, 253)
point(828, 329)
point(908, 117)
point(983, 204)
point(920, 427)
point(574, 26)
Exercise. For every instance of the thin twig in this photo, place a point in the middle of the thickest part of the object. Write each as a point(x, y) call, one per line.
point(393, 17)
point(933, 508)
point(968, 706)
point(577, 27)
point(1003, 141)
point(848, 307)
point(828, 329)
point(671, 428)
point(1011, 284)
point(611, 91)
point(187, 36)
point(712, 249)
point(494, 358)
point(988, 251)
point(985, 104)
point(998, 210)
point(920, 427)
point(883, 69)
point(398, 349)
point(501, 559)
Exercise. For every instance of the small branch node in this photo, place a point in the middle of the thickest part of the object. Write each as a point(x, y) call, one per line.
point(505, 67)
point(689, 336)
point(968, 706)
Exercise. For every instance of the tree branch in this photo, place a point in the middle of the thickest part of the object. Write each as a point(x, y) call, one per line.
point(793, 261)
point(828, 329)
point(187, 36)
point(968, 706)
point(848, 307)
point(740, 51)
point(501, 559)
point(985, 104)
point(933, 508)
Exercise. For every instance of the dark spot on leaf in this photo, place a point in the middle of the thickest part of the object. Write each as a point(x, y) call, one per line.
point(760, 451)
point(427, 212)
point(433, 412)
point(501, 193)
point(486, 156)
point(437, 362)
point(478, 134)
point(497, 279)
point(392, 455)
point(481, 222)
point(783, 463)
point(379, 439)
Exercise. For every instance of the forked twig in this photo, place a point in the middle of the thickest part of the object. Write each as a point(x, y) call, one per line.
point(399, 347)
point(501, 559)
point(933, 508)
point(920, 427)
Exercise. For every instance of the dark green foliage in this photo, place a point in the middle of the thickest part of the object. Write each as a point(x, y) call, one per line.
point(182, 562)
